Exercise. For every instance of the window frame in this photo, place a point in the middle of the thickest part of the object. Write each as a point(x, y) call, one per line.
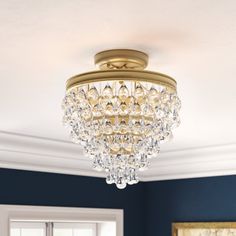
point(10, 213)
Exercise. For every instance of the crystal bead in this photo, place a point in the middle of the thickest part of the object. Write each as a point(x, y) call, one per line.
point(107, 127)
point(175, 102)
point(143, 162)
point(109, 179)
point(159, 111)
point(139, 94)
point(115, 147)
point(107, 92)
point(121, 183)
point(123, 92)
point(123, 127)
point(96, 127)
point(147, 127)
point(147, 110)
point(135, 110)
point(153, 97)
point(93, 96)
point(86, 114)
point(97, 163)
point(127, 143)
point(165, 97)
point(80, 95)
point(137, 129)
point(109, 110)
point(123, 109)
point(97, 111)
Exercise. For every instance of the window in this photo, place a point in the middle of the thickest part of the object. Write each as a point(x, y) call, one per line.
point(59, 221)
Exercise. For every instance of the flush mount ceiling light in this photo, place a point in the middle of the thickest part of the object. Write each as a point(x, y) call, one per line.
point(121, 113)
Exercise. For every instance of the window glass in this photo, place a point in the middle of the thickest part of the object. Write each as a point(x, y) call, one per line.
point(28, 229)
point(63, 232)
point(83, 232)
point(74, 229)
point(15, 232)
point(73, 232)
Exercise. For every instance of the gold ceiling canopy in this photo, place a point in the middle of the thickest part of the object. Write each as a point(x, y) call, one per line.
point(122, 64)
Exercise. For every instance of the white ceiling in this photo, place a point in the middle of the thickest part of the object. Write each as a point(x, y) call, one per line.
point(44, 42)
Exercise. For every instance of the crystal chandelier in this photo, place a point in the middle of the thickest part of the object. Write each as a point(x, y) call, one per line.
point(121, 113)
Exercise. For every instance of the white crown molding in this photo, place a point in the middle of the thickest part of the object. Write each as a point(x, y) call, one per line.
point(193, 163)
point(39, 154)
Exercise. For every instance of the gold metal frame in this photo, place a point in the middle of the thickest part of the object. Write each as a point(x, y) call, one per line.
point(201, 225)
point(122, 65)
point(122, 75)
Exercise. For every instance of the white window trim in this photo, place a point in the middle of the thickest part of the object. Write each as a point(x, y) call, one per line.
point(60, 214)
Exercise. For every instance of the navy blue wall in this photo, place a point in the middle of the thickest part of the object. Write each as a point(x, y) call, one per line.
point(203, 199)
point(36, 188)
point(149, 208)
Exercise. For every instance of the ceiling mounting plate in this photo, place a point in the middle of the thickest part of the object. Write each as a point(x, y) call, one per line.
point(116, 59)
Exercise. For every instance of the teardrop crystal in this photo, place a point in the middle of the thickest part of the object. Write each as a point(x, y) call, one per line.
point(108, 127)
point(80, 95)
point(147, 110)
point(93, 96)
point(153, 97)
point(123, 110)
point(107, 92)
point(123, 92)
point(136, 109)
point(123, 127)
point(109, 109)
point(139, 94)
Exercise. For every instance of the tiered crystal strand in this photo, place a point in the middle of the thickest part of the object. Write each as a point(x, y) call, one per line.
point(120, 125)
